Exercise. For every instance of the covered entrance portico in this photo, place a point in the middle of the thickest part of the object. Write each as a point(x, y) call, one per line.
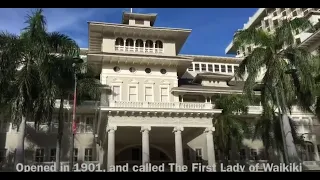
point(138, 140)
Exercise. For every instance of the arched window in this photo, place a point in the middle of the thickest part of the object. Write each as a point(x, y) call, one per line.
point(129, 42)
point(119, 44)
point(159, 46)
point(307, 152)
point(139, 45)
point(149, 46)
point(129, 45)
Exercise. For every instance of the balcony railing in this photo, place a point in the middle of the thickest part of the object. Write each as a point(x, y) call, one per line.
point(161, 105)
point(139, 49)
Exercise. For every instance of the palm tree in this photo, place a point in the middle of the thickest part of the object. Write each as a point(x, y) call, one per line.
point(21, 57)
point(275, 53)
point(230, 127)
point(62, 73)
point(26, 62)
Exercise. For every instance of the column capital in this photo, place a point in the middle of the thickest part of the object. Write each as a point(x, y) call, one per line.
point(145, 128)
point(111, 128)
point(209, 129)
point(178, 129)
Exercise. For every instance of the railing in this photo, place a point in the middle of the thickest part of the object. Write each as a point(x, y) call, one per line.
point(161, 105)
point(69, 104)
point(139, 49)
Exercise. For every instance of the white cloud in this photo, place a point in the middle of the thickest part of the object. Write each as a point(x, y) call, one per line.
point(71, 20)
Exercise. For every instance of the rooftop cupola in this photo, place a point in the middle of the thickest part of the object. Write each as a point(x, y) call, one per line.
point(138, 19)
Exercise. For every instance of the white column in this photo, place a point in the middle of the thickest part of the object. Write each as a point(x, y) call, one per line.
point(178, 145)
point(111, 145)
point(145, 144)
point(210, 147)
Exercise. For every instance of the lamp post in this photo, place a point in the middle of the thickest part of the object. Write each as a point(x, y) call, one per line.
point(74, 125)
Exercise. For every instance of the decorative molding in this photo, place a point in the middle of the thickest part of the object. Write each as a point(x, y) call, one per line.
point(159, 121)
point(133, 81)
point(116, 80)
point(164, 82)
point(148, 82)
point(178, 129)
point(209, 129)
point(111, 128)
point(145, 128)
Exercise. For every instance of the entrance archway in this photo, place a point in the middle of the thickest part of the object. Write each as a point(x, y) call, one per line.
point(133, 155)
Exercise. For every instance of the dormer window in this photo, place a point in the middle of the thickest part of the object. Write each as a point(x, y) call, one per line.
point(139, 21)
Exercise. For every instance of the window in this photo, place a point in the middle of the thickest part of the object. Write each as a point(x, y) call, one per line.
point(54, 124)
point(294, 13)
point(2, 155)
point(266, 22)
point(148, 93)
point(198, 152)
point(133, 93)
point(163, 71)
point(4, 125)
point(164, 94)
point(203, 67)
point(262, 154)
point(275, 23)
point(275, 13)
point(190, 68)
point(147, 70)
point(284, 13)
point(223, 68)
point(88, 153)
point(236, 68)
point(39, 156)
point(298, 41)
point(132, 69)
point(116, 93)
point(310, 151)
point(52, 155)
point(139, 21)
point(186, 154)
point(79, 124)
point(242, 154)
point(136, 154)
point(254, 154)
point(75, 154)
point(116, 69)
point(229, 69)
point(196, 67)
point(216, 68)
point(89, 124)
point(210, 67)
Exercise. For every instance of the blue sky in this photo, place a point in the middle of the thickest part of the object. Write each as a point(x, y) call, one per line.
point(212, 28)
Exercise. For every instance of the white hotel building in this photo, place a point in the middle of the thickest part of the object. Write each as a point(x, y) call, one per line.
point(159, 105)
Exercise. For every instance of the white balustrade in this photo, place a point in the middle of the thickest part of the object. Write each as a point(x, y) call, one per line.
point(139, 49)
point(161, 105)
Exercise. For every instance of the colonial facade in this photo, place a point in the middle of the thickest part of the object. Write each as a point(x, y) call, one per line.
point(158, 107)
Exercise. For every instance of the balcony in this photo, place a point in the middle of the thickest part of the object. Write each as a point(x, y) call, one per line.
point(161, 105)
point(138, 49)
